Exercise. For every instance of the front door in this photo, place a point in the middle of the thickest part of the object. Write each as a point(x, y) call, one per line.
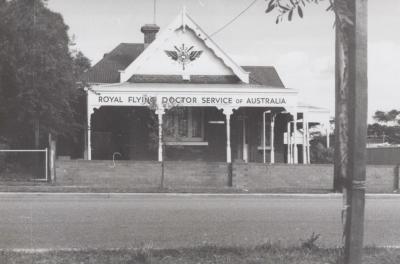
point(216, 136)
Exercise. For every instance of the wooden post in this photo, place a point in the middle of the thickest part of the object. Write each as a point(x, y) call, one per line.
point(328, 145)
point(228, 139)
point(308, 143)
point(304, 148)
point(263, 139)
point(288, 154)
point(85, 143)
point(245, 156)
point(295, 153)
point(52, 158)
point(89, 138)
point(228, 112)
point(89, 113)
point(160, 113)
point(354, 80)
point(86, 130)
point(272, 140)
point(340, 121)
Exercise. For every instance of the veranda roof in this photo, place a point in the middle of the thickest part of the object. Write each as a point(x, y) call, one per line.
point(191, 94)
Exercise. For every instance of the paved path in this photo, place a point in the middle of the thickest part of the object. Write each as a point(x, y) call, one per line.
point(165, 220)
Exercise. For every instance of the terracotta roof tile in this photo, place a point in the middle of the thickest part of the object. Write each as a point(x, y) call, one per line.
point(106, 70)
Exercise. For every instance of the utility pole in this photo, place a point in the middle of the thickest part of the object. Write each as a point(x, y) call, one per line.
point(352, 118)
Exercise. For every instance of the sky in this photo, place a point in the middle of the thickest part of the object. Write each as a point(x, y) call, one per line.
point(301, 50)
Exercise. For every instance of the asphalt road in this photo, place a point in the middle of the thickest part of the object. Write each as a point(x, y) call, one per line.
point(167, 221)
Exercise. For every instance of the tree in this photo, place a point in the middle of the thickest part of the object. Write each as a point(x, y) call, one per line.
point(391, 116)
point(38, 73)
point(319, 153)
point(387, 126)
point(351, 109)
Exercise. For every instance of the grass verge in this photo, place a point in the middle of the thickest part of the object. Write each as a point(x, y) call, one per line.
point(54, 188)
point(267, 253)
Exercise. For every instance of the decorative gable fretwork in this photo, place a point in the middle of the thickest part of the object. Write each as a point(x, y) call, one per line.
point(183, 48)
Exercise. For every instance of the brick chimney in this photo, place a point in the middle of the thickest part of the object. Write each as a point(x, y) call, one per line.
point(149, 31)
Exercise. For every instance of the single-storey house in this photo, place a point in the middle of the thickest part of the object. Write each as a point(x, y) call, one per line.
point(179, 96)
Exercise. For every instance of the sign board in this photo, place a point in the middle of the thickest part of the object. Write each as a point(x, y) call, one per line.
point(168, 101)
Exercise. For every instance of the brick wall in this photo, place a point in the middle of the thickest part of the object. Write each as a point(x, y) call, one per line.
point(131, 174)
point(103, 173)
point(195, 174)
point(382, 178)
point(256, 176)
point(383, 155)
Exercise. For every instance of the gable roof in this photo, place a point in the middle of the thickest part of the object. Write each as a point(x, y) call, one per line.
point(265, 75)
point(183, 22)
point(107, 69)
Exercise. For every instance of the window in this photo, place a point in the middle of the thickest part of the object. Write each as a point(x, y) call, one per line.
point(184, 124)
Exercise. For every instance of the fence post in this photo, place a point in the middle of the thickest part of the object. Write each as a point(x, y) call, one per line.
point(52, 158)
point(162, 174)
point(396, 178)
point(46, 162)
point(230, 168)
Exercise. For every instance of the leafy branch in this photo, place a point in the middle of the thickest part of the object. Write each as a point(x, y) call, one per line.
point(287, 8)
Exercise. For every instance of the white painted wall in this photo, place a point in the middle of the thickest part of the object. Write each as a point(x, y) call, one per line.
point(159, 63)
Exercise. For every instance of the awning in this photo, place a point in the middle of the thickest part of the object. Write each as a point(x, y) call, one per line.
point(315, 114)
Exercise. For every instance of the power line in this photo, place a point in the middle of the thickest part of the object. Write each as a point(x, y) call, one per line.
point(233, 19)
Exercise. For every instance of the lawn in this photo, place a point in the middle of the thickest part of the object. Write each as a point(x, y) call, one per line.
point(265, 254)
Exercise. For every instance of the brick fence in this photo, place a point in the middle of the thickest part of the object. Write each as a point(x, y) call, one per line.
point(194, 174)
point(103, 173)
point(256, 176)
point(132, 174)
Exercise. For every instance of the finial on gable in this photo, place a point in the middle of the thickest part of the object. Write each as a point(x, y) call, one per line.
point(184, 18)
